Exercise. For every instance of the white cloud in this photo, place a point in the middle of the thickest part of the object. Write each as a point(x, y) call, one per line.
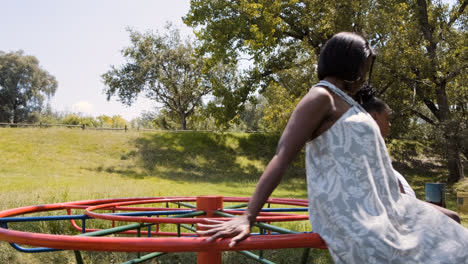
point(83, 107)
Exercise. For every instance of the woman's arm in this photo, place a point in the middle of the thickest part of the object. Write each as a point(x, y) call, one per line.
point(305, 120)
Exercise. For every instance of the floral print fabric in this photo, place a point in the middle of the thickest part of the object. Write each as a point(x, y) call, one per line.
point(356, 206)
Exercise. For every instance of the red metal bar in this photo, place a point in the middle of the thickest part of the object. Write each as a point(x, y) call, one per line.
point(152, 244)
point(209, 204)
point(142, 244)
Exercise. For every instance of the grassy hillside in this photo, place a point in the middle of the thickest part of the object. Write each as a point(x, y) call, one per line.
point(41, 166)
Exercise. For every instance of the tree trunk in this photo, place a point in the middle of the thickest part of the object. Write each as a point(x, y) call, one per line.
point(454, 164)
point(16, 118)
point(450, 131)
point(13, 117)
point(183, 121)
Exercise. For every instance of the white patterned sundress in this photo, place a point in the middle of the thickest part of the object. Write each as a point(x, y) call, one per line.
point(356, 206)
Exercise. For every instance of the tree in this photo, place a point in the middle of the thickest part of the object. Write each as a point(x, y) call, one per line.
point(144, 121)
point(230, 94)
point(421, 45)
point(23, 86)
point(104, 121)
point(282, 39)
point(78, 119)
point(118, 121)
point(162, 67)
point(424, 61)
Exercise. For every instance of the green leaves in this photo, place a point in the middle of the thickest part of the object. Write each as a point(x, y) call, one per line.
point(281, 39)
point(421, 45)
point(163, 68)
point(23, 86)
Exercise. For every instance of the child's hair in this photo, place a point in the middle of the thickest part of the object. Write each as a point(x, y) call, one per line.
point(343, 56)
point(374, 105)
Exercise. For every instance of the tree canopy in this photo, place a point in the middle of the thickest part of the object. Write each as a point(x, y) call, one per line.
point(161, 66)
point(420, 68)
point(24, 85)
point(423, 63)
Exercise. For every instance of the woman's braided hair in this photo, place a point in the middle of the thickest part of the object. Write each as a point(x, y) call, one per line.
point(365, 94)
point(367, 99)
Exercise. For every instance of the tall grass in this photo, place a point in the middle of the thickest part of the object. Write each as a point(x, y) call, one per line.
point(40, 166)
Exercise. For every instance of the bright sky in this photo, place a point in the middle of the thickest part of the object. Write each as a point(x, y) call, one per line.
point(77, 41)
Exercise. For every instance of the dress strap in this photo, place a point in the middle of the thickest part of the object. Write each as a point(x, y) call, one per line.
point(340, 93)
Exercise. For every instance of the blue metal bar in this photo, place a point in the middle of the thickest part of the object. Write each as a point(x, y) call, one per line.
point(83, 225)
point(28, 250)
point(259, 234)
point(32, 250)
point(274, 210)
point(42, 218)
point(5, 220)
point(149, 230)
point(74, 217)
point(175, 212)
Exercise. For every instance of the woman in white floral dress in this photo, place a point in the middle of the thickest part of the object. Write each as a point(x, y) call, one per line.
point(354, 199)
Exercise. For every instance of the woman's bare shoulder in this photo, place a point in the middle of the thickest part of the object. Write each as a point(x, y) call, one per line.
point(318, 96)
point(320, 90)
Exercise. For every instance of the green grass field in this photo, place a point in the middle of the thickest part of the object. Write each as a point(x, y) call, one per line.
point(40, 166)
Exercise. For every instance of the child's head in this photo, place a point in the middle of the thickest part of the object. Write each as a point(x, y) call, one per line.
point(346, 56)
point(381, 112)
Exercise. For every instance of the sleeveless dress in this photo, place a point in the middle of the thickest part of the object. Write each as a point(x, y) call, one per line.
point(356, 206)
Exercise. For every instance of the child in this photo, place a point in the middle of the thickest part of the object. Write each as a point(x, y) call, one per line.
point(380, 112)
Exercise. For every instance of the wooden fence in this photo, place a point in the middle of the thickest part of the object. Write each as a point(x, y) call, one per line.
point(45, 125)
point(84, 127)
point(125, 129)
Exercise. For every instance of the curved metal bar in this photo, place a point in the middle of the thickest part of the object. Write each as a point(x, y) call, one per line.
point(151, 244)
point(89, 212)
point(42, 218)
point(28, 250)
point(33, 250)
point(179, 244)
